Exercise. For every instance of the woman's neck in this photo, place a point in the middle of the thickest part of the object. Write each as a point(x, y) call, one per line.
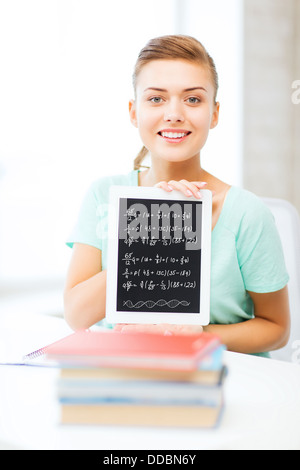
point(189, 170)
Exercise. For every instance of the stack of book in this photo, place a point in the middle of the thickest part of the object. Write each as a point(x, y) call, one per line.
point(144, 379)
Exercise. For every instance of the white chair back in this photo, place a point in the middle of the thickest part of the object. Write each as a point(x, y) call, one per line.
point(288, 224)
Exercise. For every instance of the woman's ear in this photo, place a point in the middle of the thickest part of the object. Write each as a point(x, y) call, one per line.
point(132, 112)
point(215, 115)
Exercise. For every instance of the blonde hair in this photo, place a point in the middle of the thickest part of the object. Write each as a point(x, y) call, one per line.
point(171, 48)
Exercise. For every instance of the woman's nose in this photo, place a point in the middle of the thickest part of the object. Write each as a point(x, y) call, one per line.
point(173, 114)
point(174, 117)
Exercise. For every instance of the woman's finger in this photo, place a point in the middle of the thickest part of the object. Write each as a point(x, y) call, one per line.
point(164, 185)
point(187, 188)
point(165, 329)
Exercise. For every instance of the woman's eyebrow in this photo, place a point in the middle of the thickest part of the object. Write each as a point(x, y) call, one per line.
point(155, 89)
point(195, 88)
point(186, 89)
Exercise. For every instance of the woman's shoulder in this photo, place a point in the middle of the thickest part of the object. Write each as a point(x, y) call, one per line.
point(245, 201)
point(100, 186)
point(244, 208)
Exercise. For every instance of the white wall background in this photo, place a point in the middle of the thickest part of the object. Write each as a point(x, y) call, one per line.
point(65, 83)
point(272, 116)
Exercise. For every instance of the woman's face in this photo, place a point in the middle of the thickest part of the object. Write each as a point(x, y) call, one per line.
point(174, 108)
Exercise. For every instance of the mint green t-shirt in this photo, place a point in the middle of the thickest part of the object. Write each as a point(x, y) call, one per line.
point(246, 253)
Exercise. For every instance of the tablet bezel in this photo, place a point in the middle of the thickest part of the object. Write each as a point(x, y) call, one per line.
point(114, 316)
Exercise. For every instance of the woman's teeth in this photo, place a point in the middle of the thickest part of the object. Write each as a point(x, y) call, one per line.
point(173, 135)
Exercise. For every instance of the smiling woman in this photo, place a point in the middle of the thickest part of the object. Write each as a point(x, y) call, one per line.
point(249, 308)
point(183, 102)
point(169, 94)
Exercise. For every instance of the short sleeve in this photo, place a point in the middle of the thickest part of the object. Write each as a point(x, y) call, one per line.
point(260, 251)
point(91, 227)
point(91, 224)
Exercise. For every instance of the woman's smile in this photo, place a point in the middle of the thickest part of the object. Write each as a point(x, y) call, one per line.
point(174, 135)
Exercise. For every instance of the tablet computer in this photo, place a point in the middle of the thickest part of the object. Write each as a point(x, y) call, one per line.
point(159, 255)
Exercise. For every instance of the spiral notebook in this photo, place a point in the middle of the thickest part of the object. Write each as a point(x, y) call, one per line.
point(117, 349)
point(34, 358)
point(37, 357)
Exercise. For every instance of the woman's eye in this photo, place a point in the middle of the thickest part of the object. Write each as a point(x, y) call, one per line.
point(156, 99)
point(193, 100)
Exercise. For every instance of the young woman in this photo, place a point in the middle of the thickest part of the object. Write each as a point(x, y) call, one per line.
point(174, 108)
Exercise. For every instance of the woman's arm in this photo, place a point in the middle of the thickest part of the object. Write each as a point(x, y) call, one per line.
point(268, 330)
point(85, 288)
point(270, 327)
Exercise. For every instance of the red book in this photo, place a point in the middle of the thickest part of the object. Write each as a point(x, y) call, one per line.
point(143, 350)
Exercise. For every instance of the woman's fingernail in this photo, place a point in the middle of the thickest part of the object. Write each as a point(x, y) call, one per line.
point(189, 193)
point(199, 194)
point(170, 187)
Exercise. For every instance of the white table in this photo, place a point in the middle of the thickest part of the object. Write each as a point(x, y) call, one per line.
point(262, 402)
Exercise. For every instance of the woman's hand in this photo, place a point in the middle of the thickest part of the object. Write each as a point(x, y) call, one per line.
point(188, 188)
point(163, 328)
